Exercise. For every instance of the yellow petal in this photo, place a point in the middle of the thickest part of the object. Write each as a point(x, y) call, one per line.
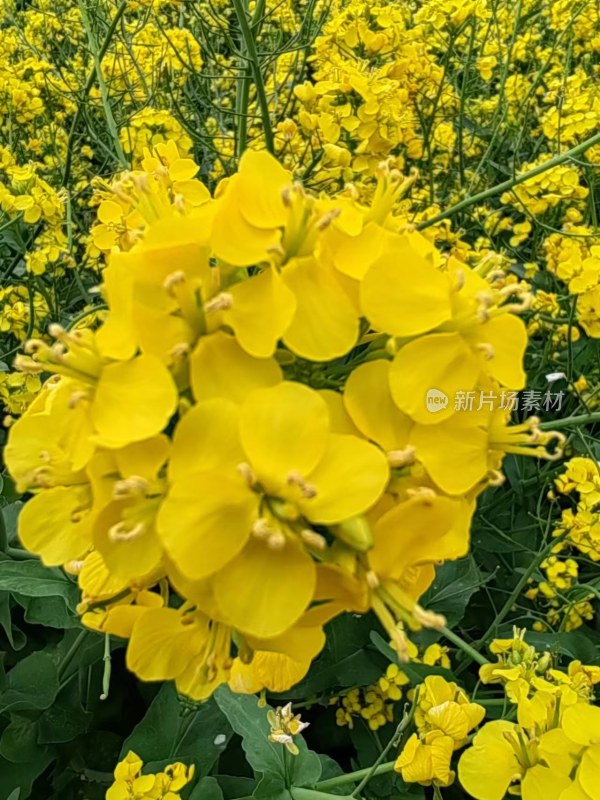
point(581, 723)
point(205, 521)
point(508, 337)
point(442, 362)
point(325, 325)
point(161, 646)
point(143, 458)
point(134, 400)
point(283, 429)
point(349, 479)
point(233, 238)
point(369, 402)
point(416, 531)
point(206, 439)
point(193, 192)
point(219, 367)
point(56, 524)
point(183, 169)
point(258, 191)
point(340, 420)
point(264, 591)
point(110, 211)
point(117, 337)
point(486, 770)
point(261, 312)
point(455, 454)
point(404, 295)
point(544, 783)
point(589, 769)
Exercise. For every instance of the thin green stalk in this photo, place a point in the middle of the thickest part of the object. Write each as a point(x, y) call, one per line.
point(352, 777)
point(393, 742)
point(252, 57)
point(579, 419)
point(505, 186)
point(86, 90)
point(110, 120)
point(70, 654)
point(464, 646)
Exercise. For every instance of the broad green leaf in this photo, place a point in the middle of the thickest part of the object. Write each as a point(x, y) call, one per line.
point(455, 583)
point(251, 723)
point(175, 730)
point(65, 719)
point(31, 684)
point(207, 788)
point(33, 579)
point(51, 612)
point(19, 742)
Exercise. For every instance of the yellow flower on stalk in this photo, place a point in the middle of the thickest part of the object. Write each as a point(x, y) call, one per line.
point(502, 754)
point(264, 474)
point(264, 220)
point(109, 403)
point(477, 338)
point(408, 539)
point(284, 726)
point(444, 706)
point(426, 760)
point(130, 784)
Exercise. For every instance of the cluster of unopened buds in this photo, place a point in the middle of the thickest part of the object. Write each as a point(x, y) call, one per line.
point(244, 448)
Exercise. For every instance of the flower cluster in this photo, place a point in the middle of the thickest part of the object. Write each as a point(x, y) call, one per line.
point(444, 717)
point(377, 703)
point(566, 603)
point(131, 784)
point(553, 746)
point(189, 445)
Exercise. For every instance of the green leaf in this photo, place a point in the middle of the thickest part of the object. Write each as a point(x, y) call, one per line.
point(251, 723)
point(174, 730)
point(51, 612)
point(345, 661)
point(207, 788)
point(11, 515)
point(33, 579)
point(331, 769)
point(454, 585)
point(31, 684)
point(65, 719)
point(14, 795)
point(19, 741)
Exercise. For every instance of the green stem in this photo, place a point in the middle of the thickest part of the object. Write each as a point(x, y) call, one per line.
point(70, 654)
point(110, 120)
point(393, 742)
point(580, 419)
point(252, 56)
point(462, 645)
point(511, 182)
point(352, 777)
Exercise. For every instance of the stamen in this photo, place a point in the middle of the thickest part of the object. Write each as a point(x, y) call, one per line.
point(120, 533)
point(313, 539)
point(401, 458)
point(307, 490)
point(487, 349)
point(245, 470)
point(222, 302)
point(133, 485)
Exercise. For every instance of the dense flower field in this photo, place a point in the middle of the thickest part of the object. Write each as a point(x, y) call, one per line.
point(300, 376)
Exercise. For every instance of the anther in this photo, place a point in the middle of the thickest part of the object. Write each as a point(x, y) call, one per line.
point(313, 539)
point(222, 302)
point(307, 490)
point(401, 458)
